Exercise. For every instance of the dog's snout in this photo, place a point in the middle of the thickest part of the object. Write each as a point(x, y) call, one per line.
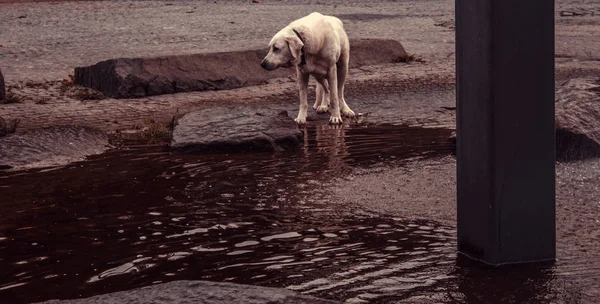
point(267, 65)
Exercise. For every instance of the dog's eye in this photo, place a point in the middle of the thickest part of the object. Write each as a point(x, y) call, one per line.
point(275, 49)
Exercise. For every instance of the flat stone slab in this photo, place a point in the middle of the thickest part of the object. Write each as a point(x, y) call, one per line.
point(139, 77)
point(578, 119)
point(236, 129)
point(52, 146)
point(199, 292)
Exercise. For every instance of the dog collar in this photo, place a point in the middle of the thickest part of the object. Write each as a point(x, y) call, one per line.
point(302, 58)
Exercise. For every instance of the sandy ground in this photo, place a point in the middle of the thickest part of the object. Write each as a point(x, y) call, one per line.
point(45, 41)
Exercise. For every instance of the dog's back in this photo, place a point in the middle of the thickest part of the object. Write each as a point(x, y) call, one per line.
point(317, 21)
point(322, 27)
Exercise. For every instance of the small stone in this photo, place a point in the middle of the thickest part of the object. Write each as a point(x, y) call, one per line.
point(3, 130)
point(2, 88)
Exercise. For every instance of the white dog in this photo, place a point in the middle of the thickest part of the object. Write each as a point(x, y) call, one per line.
point(316, 45)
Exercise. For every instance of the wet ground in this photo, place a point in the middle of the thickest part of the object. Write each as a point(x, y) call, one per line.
point(362, 213)
point(142, 215)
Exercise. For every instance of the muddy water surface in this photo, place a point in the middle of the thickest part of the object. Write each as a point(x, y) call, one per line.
point(141, 215)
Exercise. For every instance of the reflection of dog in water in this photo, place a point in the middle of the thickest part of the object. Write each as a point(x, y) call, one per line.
point(316, 45)
point(331, 143)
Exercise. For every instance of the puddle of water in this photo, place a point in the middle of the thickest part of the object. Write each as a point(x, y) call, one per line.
point(132, 217)
point(128, 218)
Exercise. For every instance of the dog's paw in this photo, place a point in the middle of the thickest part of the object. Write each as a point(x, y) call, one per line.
point(347, 112)
point(335, 120)
point(322, 109)
point(300, 120)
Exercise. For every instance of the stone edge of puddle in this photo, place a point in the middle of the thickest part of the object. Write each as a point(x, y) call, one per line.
point(200, 292)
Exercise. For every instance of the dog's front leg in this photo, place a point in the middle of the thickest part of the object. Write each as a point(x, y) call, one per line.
point(303, 89)
point(336, 117)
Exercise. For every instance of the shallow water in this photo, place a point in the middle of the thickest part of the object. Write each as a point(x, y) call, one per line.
point(141, 215)
point(51, 146)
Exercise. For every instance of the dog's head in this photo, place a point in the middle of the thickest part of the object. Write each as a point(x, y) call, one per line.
point(285, 50)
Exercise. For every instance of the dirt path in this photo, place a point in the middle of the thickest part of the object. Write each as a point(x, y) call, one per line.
point(44, 41)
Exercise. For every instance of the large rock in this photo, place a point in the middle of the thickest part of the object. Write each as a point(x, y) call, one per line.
point(578, 119)
point(236, 129)
point(2, 88)
point(365, 52)
point(199, 292)
point(138, 77)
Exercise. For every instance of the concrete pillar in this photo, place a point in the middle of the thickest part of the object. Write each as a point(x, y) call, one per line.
point(505, 130)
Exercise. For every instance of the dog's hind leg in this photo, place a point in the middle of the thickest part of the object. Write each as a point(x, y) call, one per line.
point(319, 93)
point(322, 100)
point(342, 72)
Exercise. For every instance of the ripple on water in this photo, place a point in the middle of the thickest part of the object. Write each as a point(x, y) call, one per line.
point(286, 235)
point(131, 267)
point(197, 232)
point(177, 255)
point(239, 252)
point(204, 249)
point(247, 243)
point(279, 257)
point(189, 232)
point(9, 286)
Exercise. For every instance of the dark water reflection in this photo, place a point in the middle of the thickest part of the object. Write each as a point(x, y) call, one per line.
point(139, 216)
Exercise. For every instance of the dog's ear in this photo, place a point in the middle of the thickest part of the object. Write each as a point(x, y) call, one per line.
point(295, 45)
